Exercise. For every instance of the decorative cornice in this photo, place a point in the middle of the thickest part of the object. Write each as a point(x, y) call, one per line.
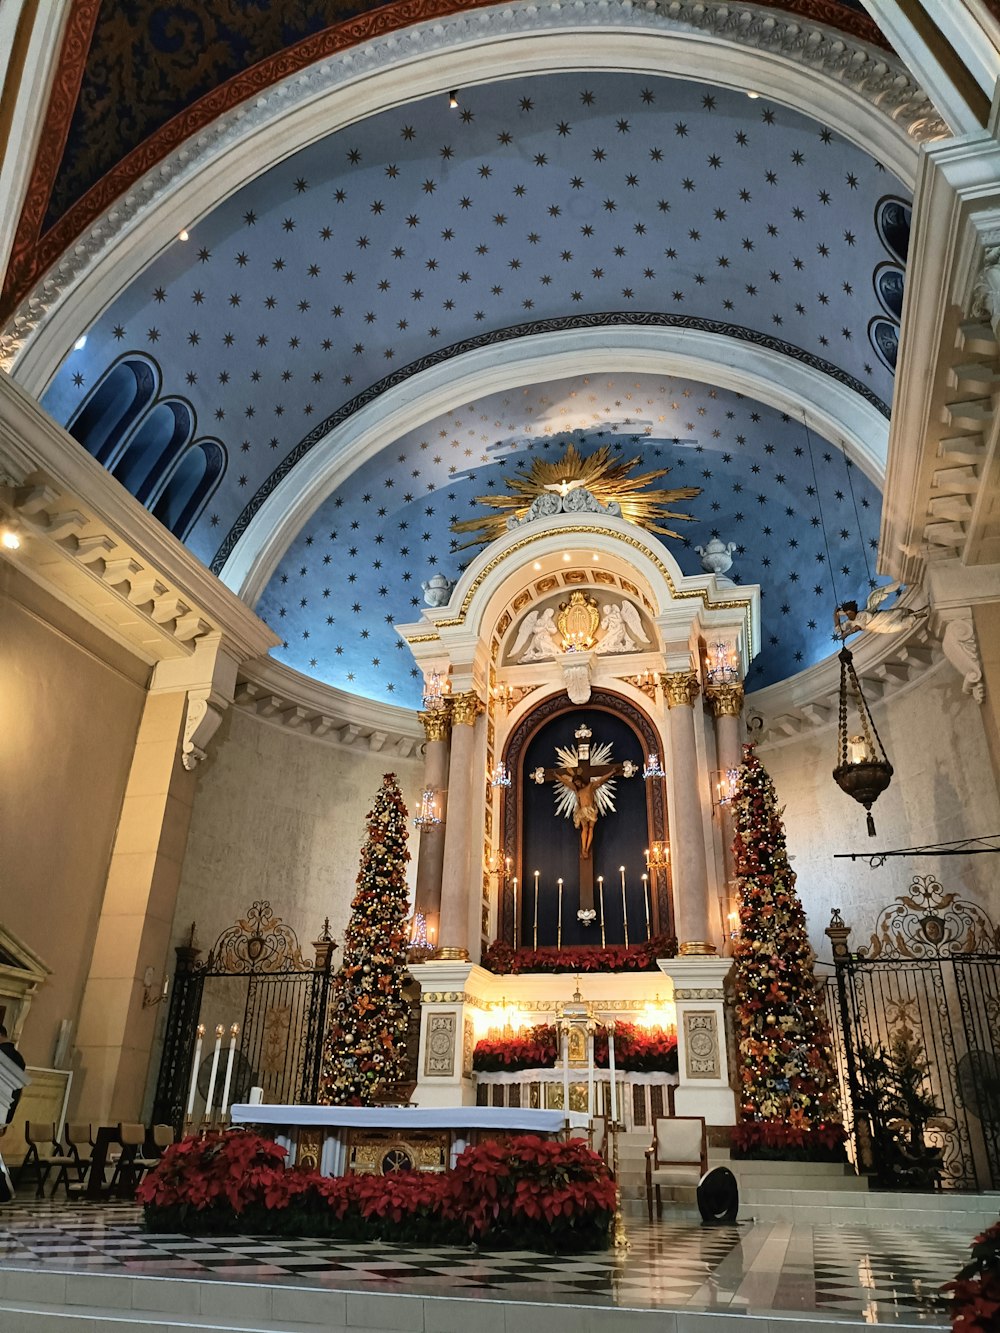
point(680, 688)
point(465, 708)
point(725, 700)
point(255, 101)
point(437, 724)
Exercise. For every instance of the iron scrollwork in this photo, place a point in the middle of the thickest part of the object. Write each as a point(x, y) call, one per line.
point(258, 942)
point(927, 922)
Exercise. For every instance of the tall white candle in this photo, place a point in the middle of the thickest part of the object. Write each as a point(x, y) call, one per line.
point(590, 1071)
point(624, 905)
point(515, 912)
point(215, 1069)
point(611, 1071)
point(534, 938)
point(645, 899)
point(565, 1054)
point(234, 1032)
point(559, 931)
point(195, 1065)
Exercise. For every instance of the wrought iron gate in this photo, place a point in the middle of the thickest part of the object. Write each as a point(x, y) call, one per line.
point(255, 979)
point(931, 974)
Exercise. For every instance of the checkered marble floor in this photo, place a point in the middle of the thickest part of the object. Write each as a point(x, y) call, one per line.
point(856, 1275)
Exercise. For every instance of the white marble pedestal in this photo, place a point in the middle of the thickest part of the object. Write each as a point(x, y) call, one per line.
point(703, 1060)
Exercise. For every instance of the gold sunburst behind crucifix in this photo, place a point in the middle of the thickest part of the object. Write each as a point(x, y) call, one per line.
point(605, 478)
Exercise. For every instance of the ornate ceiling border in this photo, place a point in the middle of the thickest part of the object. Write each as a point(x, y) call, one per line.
point(803, 62)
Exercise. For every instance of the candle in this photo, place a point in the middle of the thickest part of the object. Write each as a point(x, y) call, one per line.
point(559, 927)
point(565, 1055)
point(590, 1070)
point(234, 1032)
point(600, 894)
point(534, 942)
point(611, 1071)
point(624, 905)
point(194, 1070)
point(646, 855)
point(515, 911)
point(215, 1069)
point(860, 752)
point(645, 898)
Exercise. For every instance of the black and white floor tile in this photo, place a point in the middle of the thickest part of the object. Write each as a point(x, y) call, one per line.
point(858, 1275)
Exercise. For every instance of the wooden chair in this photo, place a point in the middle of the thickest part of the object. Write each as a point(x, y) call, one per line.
point(130, 1166)
point(79, 1146)
point(43, 1154)
point(677, 1157)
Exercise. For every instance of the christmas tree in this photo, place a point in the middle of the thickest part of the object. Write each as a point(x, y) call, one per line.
point(363, 1056)
point(788, 1084)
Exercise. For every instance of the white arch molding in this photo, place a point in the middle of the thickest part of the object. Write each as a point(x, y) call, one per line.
point(832, 410)
point(865, 95)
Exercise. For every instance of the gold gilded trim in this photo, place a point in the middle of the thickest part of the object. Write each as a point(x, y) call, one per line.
point(725, 700)
point(680, 688)
point(437, 724)
point(465, 708)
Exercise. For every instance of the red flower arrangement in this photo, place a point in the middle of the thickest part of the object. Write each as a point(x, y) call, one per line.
point(780, 1139)
point(975, 1291)
point(502, 959)
point(637, 1050)
point(526, 1192)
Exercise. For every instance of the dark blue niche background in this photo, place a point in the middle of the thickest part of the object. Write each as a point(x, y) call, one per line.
point(550, 843)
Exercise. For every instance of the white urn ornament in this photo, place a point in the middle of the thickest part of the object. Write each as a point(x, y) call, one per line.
point(717, 556)
point(437, 590)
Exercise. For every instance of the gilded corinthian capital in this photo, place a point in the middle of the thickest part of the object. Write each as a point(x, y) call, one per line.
point(725, 700)
point(465, 708)
point(437, 723)
point(680, 688)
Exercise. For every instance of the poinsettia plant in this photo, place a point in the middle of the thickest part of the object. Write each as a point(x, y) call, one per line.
point(527, 1191)
point(501, 958)
point(637, 1050)
point(975, 1291)
point(789, 1140)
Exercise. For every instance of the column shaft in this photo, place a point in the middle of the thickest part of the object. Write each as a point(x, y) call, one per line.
point(726, 702)
point(458, 836)
point(430, 853)
point(687, 833)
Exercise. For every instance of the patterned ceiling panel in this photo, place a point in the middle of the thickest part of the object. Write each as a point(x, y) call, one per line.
point(541, 203)
point(356, 568)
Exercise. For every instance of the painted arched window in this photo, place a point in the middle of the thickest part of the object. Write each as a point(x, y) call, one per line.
point(154, 447)
point(113, 406)
point(190, 486)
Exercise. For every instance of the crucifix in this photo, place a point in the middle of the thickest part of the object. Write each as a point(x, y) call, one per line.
point(584, 780)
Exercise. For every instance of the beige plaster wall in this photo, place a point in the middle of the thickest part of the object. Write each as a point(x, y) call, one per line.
point(943, 789)
point(280, 815)
point(70, 704)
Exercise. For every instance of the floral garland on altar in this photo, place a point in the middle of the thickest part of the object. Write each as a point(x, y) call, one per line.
point(637, 1050)
point(502, 959)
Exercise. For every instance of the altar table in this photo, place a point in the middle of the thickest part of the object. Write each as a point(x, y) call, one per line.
point(341, 1140)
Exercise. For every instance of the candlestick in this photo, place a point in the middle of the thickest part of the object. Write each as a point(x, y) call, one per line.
point(565, 1054)
point(590, 1070)
point(234, 1032)
point(194, 1070)
point(611, 1071)
point(559, 927)
point(515, 911)
point(535, 937)
point(215, 1069)
point(645, 898)
point(646, 855)
point(624, 905)
point(600, 894)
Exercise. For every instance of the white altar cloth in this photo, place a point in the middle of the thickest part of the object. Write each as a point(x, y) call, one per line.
point(459, 1120)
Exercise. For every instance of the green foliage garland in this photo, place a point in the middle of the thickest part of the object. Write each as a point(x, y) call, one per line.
point(786, 1067)
point(363, 1054)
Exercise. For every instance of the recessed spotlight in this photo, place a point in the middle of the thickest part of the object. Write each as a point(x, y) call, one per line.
point(80, 343)
point(537, 565)
point(566, 555)
point(595, 556)
point(753, 96)
point(453, 99)
point(9, 540)
point(183, 234)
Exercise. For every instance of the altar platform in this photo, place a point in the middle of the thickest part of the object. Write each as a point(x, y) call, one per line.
point(71, 1269)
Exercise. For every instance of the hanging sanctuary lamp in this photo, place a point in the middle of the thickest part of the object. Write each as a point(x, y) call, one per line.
point(863, 770)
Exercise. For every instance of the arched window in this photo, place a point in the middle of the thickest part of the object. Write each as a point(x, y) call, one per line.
point(190, 486)
point(154, 447)
point(113, 406)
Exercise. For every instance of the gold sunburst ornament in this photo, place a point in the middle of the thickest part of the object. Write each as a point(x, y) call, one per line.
point(605, 478)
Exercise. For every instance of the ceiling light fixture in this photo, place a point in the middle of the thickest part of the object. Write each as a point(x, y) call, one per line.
point(80, 343)
point(9, 539)
point(565, 555)
point(183, 234)
point(537, 565)
point(753, 96)
point(453, 99)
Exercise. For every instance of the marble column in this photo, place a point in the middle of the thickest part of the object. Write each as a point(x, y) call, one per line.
point(456, 880)
point(687, 833)
point(726, 703)
point(430, 853)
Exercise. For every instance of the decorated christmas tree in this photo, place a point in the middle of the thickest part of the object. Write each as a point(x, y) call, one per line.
point(789, 1097)
point(363, 1056)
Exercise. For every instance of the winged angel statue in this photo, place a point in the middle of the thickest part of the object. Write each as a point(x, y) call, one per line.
point(847, 619)
point(537, 630)
point(621, 628)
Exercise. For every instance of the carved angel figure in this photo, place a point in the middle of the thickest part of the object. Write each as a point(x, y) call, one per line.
point(622, 629)
point(540, 628)
point(847, 619)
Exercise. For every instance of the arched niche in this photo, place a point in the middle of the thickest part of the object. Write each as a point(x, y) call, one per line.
point(154, 447)
point(190, 485)
point(534, 837)
point(114, 405)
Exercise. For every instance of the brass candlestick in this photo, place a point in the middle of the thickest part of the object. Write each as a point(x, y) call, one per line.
point(621, 1240)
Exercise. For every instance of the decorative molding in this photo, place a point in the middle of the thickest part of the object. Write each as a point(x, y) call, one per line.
point(466, 708)
point(961, 647)
point(437, 723)
point(201, 721)
point(439, 1055)
point(295, 86)
point(699, 993)
point(576, 669)
point(725, 700)
point(680, 688)
point(928, 922)
point(701, 1044)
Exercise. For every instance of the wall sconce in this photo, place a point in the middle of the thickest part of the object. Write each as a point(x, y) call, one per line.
point(149, 996)
point(658, 856)
point(500, 777)
point(504, 696)
point(429, 813)
point(652, 767)
point(722, 664)
point(724, 786)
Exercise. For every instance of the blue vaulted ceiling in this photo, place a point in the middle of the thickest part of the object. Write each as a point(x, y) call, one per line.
point(554, 201)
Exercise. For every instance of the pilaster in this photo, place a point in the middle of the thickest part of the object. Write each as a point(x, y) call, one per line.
point(702, 1049)
point(430, 853)
point(687, 825)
